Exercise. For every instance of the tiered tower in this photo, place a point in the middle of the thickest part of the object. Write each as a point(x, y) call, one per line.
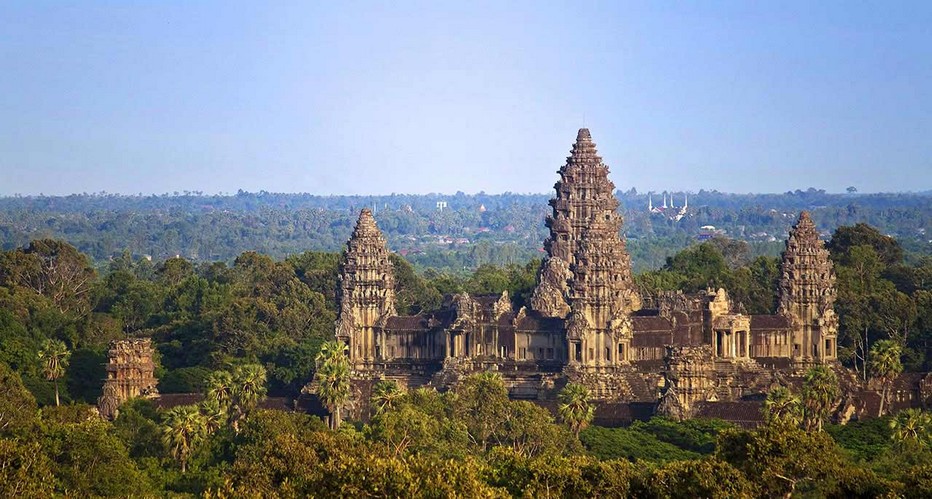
point(366, 295)
point(807, 294)
point(130, 374)
point(587, 275)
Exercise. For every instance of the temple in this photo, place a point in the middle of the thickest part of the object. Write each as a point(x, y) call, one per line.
point(130, 373)
point(586, 321)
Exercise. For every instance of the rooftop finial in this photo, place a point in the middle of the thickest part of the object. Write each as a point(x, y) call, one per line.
point(583, 134)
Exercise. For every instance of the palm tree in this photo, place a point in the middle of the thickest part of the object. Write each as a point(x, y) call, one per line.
point(333, 378)
point(820, 392)
point(886, 366)
point(574, 407)
point(248, 390)
point(782, 407)
point(54, 356)
point(911, 427)
point(220, 388)
point(386, 395)
point(248, 386)
point(183, 429)
point(214, 414)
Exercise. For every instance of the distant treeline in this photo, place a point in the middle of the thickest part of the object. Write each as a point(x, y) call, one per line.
point(470, 230)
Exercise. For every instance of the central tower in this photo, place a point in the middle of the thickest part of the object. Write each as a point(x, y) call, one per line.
point(586, 277)
point(366, 295)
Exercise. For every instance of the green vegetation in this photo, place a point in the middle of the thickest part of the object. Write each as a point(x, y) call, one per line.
point(471, 441)
point(238, 332)
point(472, 231)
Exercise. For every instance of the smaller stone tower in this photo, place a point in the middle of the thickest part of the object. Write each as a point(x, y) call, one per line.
point(807, 294)
point(130, 373)
point(366, 296)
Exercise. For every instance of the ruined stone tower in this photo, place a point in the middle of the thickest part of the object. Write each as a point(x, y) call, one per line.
point(807, 294)
point(366, 294)
point(130, 373)
point(587, 275)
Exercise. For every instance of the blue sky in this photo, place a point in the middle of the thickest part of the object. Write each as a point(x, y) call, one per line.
point(416, 97)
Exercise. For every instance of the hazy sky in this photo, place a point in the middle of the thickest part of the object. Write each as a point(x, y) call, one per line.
point(415, 97)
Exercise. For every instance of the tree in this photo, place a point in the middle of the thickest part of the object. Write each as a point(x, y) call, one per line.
point(57, 270)
point(820, 393)
point(480, 401)
point(782, 407)
point(220, 388)
point(215, 415)
point(54, 356)
point(574, 407)
point(183, 429)
point(333, 379)
point(781, 460)
point(25, 471)
point(17, 405)
point(885, 365)
point(862, 234)
point(708, 477)
point(912, 428)
point(248, 389)
point(386, 396)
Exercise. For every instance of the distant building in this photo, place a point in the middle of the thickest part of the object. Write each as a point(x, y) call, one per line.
point(671, 211)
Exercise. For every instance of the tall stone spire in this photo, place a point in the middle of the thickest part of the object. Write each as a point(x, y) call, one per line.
point(588, 270)
point(807, 293)
point(366, 295)
point(583, 194)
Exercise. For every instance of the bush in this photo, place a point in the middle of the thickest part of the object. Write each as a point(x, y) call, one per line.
point(631, 443)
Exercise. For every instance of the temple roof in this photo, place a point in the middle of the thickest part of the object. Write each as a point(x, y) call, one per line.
point(746, 413)
point(408, 323)
point(769, 322)
point(534, 321)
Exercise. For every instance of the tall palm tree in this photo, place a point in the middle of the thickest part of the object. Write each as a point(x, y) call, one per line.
point(248, 386)
point(885, 365)
point(820, 392)
point(248, 389)
point(911, 427)
point(214, 414)
point(574, 407)
point(782, 407)
point(220, 388)
point(333, 379)
point(386, 395)
point(182, 430)
point(54, 355)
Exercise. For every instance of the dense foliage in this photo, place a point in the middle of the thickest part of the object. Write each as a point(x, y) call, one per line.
point(469, 442)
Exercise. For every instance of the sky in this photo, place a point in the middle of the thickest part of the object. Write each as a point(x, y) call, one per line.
point(418, 97)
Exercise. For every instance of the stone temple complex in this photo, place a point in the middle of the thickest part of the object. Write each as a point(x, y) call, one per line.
point(586, 321)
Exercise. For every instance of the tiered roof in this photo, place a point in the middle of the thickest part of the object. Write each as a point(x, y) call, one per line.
point(808, 277)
